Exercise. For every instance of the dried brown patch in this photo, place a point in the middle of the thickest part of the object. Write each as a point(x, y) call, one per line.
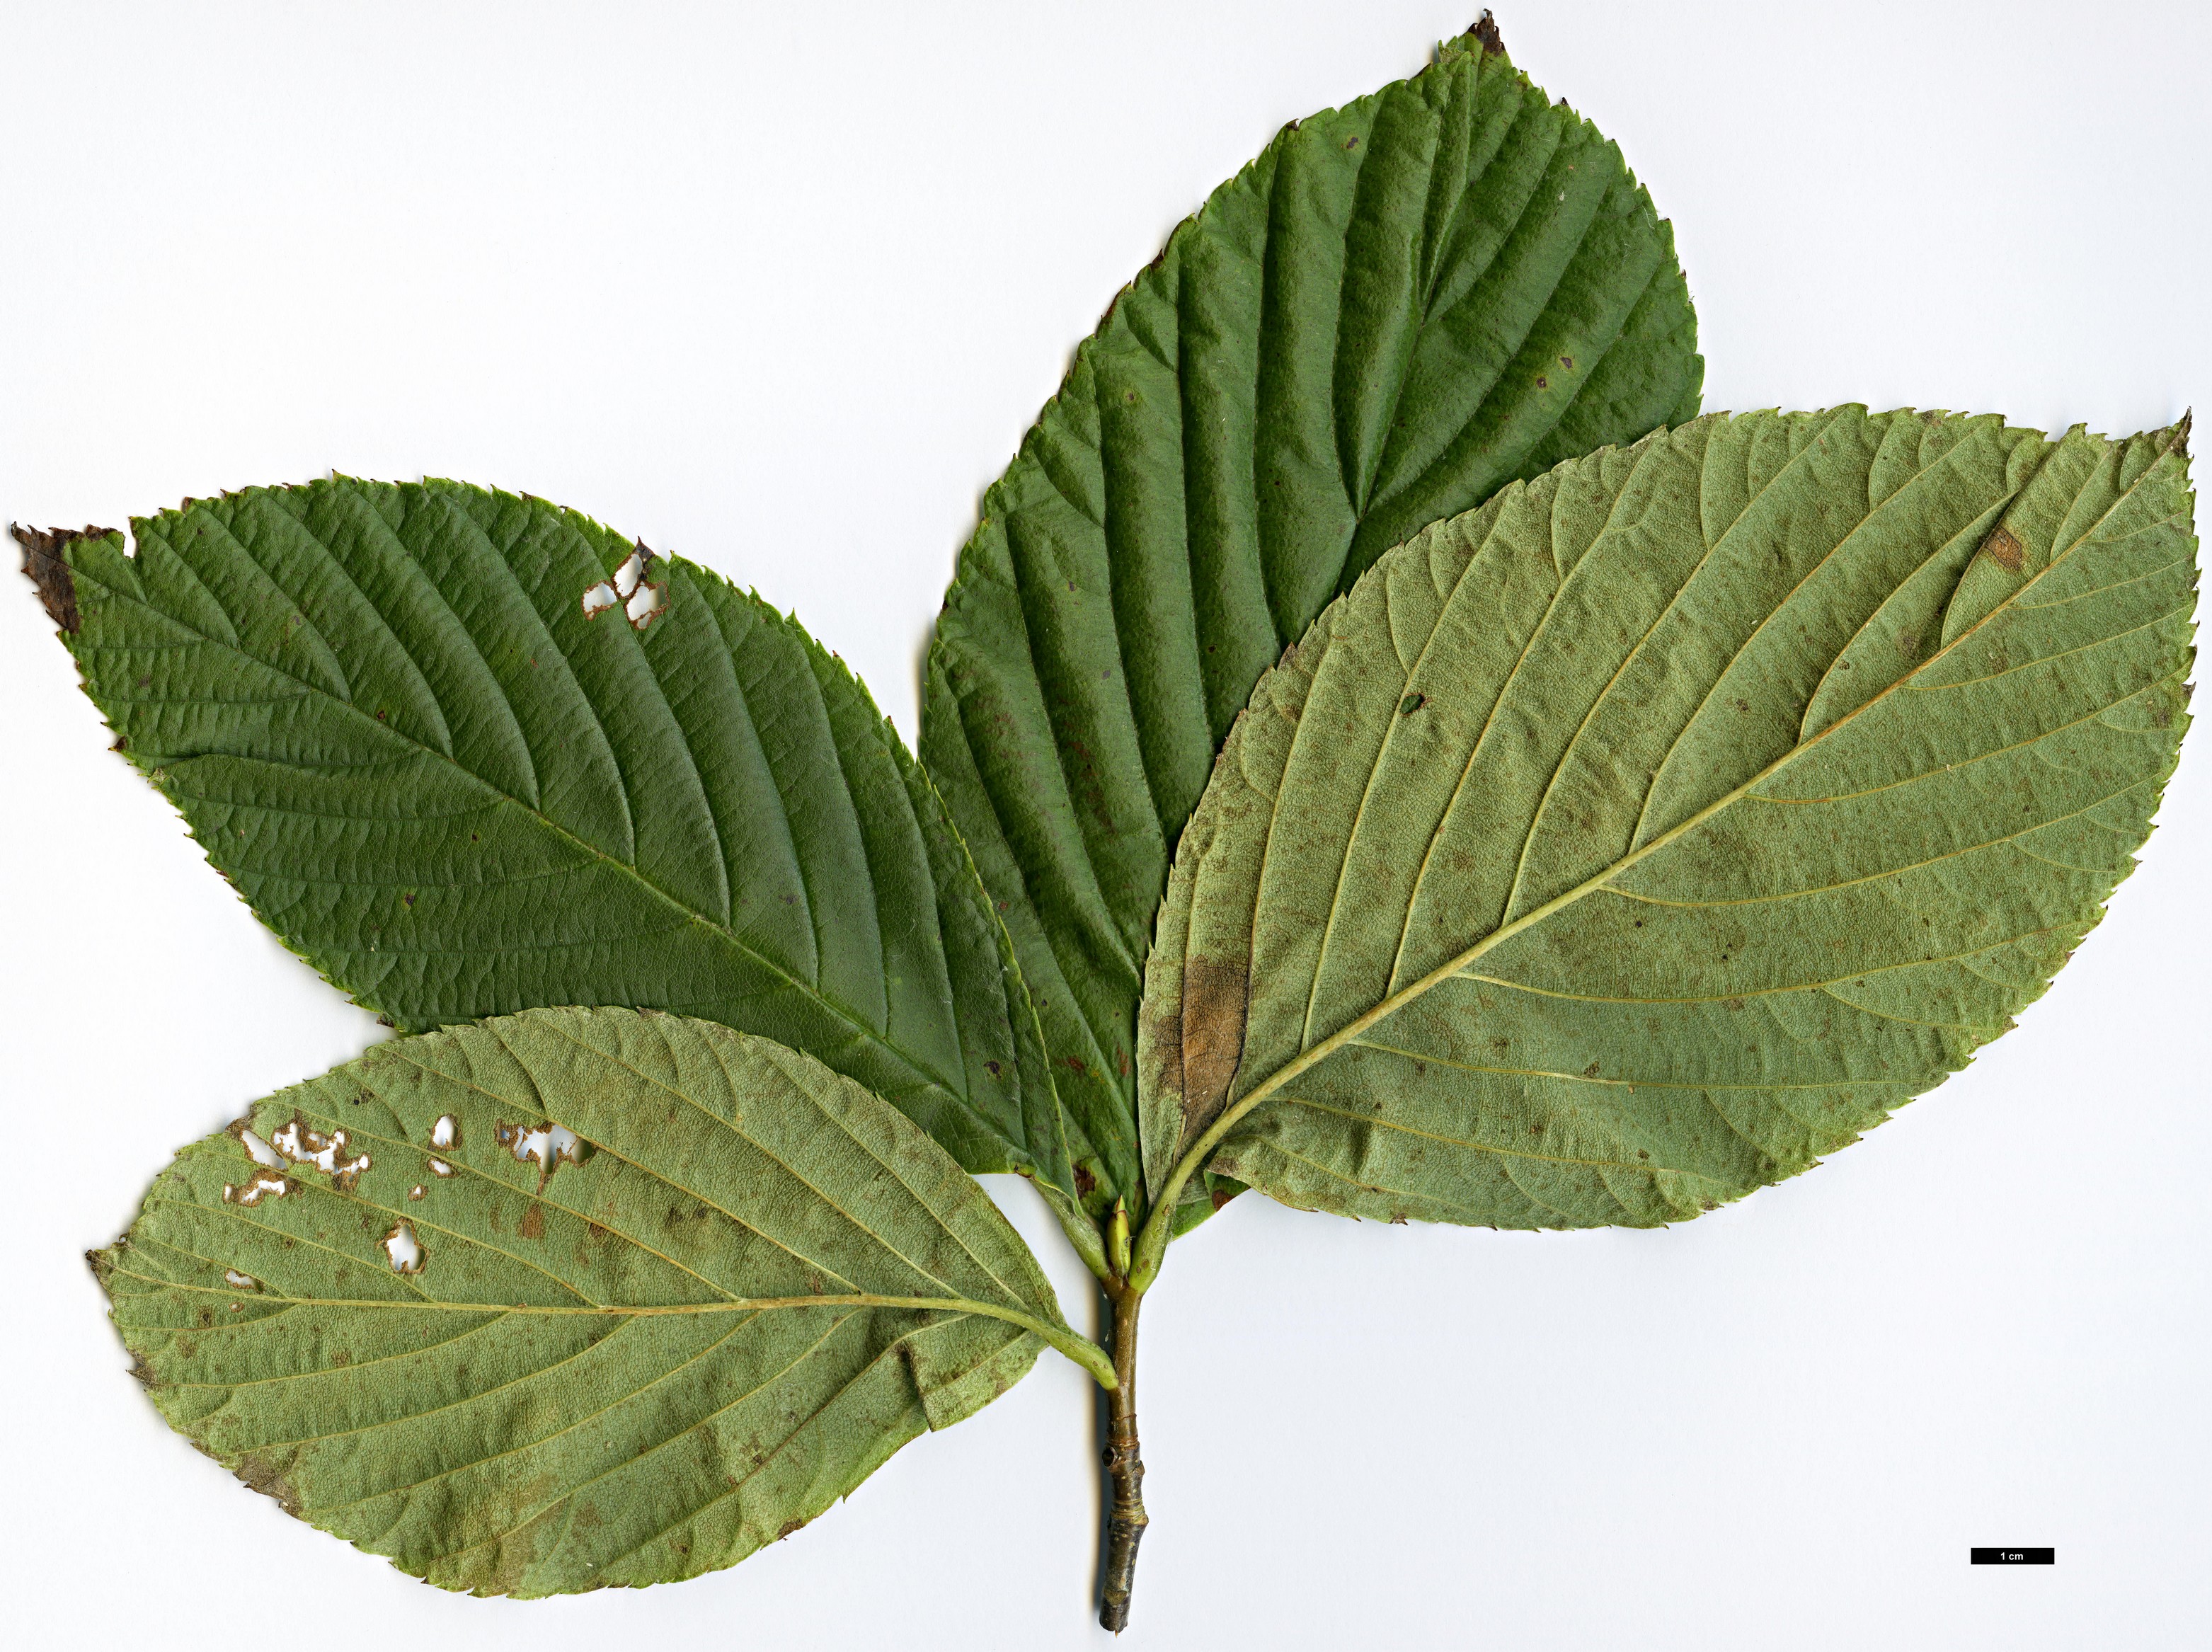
point(265, 1476)
point(1487, 36)
point(50, 574)
point(2005, 549)
point(1215, 995)
point(533, 1223)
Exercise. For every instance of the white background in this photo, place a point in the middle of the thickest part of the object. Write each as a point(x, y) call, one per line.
point(780, 287)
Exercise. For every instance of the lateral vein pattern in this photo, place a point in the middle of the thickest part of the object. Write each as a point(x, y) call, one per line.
point(1632, 842)
point(1400, 306)
point(394, 724)
point(735, 1287)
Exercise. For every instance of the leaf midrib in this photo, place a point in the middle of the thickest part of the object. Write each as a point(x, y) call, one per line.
point(1075, 1346)
point(607, 1310)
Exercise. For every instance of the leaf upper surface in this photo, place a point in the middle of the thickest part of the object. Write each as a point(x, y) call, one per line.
point(1400, 306)
point(607, 1365)
point(1628, 843)
point(392, 723)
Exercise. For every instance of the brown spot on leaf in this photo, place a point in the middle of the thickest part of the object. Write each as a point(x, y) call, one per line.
point(50, 574)
point(787, 1528)
point(2004, 549)
point(533, 1221)
point(1215, 991)
point(1485, 35)
point(265, 1476)
point(1085, 1183)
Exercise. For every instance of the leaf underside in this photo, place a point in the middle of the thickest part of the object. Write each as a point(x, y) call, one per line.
point(577, 1386)
point(1400, 306)
point(1631, 841)
point(392, 723)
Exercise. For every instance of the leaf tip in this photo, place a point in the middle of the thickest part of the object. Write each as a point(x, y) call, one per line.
point(1485, 35)
point(45, 563)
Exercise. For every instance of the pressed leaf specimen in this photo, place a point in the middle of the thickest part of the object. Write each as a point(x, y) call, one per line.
point(1381, 748)
point(743, 1285)
point(1402, 306)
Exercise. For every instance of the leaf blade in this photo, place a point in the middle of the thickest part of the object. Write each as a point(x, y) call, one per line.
point(1400, 306)
point(392, 723)
point(751, 1283)
point(1556, 1006)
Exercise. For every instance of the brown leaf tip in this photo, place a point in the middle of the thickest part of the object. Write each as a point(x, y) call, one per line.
point(50, 572)
point(1485, 35)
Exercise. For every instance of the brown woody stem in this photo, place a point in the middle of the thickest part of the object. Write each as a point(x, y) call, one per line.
point(1125, 1465)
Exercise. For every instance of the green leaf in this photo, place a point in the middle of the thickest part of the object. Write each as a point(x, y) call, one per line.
point(1628, 843)
point(1400, 306)
point(517, 1361)
point(418, 729)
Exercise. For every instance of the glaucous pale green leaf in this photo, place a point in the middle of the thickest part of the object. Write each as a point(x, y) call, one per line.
point(445, 743)
point(1630, 842)
point(572, 1298)
point(1400, 306)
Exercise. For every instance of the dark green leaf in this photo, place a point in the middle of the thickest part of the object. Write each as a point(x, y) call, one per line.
point(418, 729)
point(1759, 773)
point(519, 1361)
point(1400, 306)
